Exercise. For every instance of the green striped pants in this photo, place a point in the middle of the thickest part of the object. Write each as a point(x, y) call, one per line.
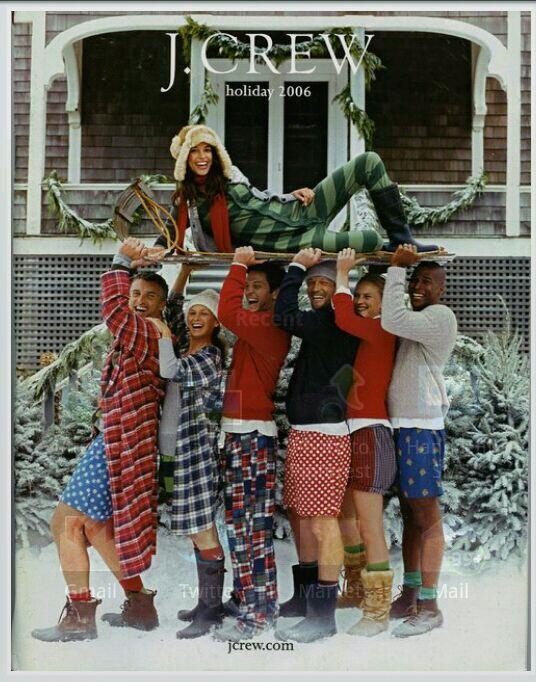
point(288, 227)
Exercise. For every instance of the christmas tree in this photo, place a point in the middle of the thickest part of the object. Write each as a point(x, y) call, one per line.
point(492, 455)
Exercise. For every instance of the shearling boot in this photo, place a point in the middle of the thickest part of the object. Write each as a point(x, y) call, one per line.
point(390, 211)
point(319, 622)
point(137, 611)
point(302, 577)
point(376, 603)
point(209, 609)
point(352, 587)
point(76, 622)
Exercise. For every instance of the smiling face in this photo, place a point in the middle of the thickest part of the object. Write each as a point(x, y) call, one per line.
point(320, 291)
point(201, 322)
point(257, 292)
point(200, 159)
point(367, 300)
point(146, 298)
point(426, 286)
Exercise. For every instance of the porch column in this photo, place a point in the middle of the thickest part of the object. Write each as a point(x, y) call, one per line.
point(73, 63)
point(37, 133)
point(480, 58)
point(513, 140)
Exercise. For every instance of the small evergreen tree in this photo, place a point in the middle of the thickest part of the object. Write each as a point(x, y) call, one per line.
point(493, 452)
point(44, 460)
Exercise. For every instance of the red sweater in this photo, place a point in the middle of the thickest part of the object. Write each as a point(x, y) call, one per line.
point(373, 364)
point(258, 354)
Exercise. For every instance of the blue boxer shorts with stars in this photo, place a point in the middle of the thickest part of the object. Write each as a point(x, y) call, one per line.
point(89, 487)
point(420, 454)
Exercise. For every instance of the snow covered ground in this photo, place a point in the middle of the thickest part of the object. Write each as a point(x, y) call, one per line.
point(485, 623)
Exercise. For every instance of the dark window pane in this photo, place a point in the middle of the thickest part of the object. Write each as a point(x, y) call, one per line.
point(305, 136)
point(246, 130)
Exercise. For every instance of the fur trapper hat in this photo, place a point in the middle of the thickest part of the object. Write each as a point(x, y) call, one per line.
point(189, 137)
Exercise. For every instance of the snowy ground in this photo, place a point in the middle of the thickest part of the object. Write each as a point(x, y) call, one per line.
point(485, 623)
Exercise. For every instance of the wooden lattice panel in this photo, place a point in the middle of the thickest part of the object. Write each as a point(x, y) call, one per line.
point(55, 300)
point(473, 289)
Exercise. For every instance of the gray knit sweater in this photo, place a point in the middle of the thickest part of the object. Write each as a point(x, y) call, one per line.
point(417, 389)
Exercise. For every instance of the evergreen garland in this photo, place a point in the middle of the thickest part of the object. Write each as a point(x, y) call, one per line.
point(199, 113)
point(358, 117)
point(92, 344)
point(68, 219)
point(235, 49)
point(417, 215)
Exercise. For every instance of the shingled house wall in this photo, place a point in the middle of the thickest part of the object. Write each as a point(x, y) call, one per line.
point(122, 137)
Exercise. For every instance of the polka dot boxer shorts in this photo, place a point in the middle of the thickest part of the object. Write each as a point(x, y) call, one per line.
point(316, 472)
point(89, 487)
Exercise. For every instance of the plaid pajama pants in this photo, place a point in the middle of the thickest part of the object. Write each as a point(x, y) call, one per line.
point(250, 462)
point(287, 227)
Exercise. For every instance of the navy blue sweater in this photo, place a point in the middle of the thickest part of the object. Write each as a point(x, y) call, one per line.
point(324, 367)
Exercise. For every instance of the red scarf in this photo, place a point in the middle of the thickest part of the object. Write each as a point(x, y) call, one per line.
point(219, 220)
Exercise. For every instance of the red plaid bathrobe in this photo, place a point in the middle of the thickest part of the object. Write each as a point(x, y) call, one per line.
point(131, 390)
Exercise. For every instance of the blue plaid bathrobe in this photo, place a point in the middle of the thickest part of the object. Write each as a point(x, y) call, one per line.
point(193, 397)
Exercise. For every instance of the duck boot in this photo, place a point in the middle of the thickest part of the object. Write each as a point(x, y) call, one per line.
point(76, 623)
point(319, 622)
point(377, 587)
point(209, 608)
point(137, 611)
point(352, 586)
point(390, 211)
point(303, 577)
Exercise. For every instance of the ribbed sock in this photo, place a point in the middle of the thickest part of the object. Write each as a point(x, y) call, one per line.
point(328, 582)
point(83, 595)
point(413, 579)
point(308, 564)
point(380, 566)
point(427, 593)
point(212, 554)
point(134, 584)
point(355, 549)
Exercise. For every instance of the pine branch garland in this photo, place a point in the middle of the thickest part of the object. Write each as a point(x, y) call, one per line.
point(427, 217)
point(358, 117)
point(199, 113)
point(68, 218)
point(74, 355)
point(279, 53)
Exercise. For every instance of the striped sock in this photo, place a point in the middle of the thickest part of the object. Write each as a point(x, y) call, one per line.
point(355, 549)
point(380, 566)
point(413, 578)
point(427, 593)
